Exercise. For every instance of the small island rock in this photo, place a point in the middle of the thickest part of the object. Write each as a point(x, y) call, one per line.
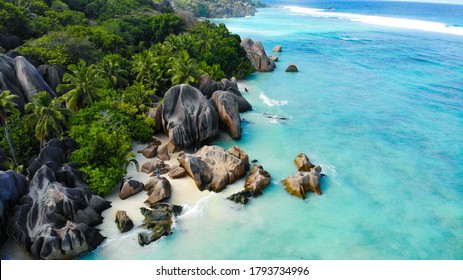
point(292, 68)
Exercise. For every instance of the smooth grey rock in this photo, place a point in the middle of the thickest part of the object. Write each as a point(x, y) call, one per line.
point(29, 79)
point(55, 221)
point(188, 117)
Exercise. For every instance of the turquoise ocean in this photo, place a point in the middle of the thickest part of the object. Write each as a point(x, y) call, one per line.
point(378, 103)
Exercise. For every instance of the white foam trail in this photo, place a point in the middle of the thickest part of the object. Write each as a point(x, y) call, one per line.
point(197, 208)
point(383, 21)
point(272, 102)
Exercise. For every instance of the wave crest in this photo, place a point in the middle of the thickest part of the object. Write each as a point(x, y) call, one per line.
point(383, 21)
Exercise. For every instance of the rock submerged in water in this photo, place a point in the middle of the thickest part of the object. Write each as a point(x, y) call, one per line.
point(303, 163)
point(303, 182)
point(278, 48)
point(158, 221)
point(257, 180)
point(255, 52)
point(124, 223)
point(212, 168)
point(292, 68)
point(188, 117)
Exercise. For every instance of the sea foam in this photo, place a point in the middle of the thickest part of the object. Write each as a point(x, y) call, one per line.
point(422, 25)
point(272, 102)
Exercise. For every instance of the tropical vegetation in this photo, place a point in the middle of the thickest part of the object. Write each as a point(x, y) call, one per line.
point(120, 57)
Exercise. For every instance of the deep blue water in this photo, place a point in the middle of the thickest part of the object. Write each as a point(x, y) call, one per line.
point(379, 107)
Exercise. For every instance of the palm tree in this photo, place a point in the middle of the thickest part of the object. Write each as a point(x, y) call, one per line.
point(8, 106)
point(183, 69)
point(111, 70)
point(47, 115)
point(82, 86)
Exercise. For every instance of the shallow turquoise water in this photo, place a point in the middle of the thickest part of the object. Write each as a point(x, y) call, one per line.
point(380, 109)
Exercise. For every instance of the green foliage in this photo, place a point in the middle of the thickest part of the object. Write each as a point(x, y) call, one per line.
point(104, 132)
point(112, 69)
point(81, 86)
point(22, 138)
point(47, 116)
point(7, 108)
point(15, 20)
point(60, 47)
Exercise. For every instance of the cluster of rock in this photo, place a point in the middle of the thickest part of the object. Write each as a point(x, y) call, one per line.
point(255, 52)
point(307, 179)
point(56, 218)
point(188, 117)
point(212, 168)
point(21, 78)
point(257, 180)
point(158, 221)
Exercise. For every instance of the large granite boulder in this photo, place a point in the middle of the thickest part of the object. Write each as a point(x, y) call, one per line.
point(177, 172)
point(241, 154)
point(303, 182)
point(13, 186)
point(207, 86)
point(55, 152)
point(228, 111)
point(54, 220)
point(158, 221)
point(29, 78)
point(158, 189)
point(257, 180)
point(188, 117)
point(129, 188)
point(212, 168)
point(9, 81)
point(124, 223)
point(52, 74)
point(255, 52)
point(10, 42)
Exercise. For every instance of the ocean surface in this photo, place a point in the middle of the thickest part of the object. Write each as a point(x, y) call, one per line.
point(378, 103)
